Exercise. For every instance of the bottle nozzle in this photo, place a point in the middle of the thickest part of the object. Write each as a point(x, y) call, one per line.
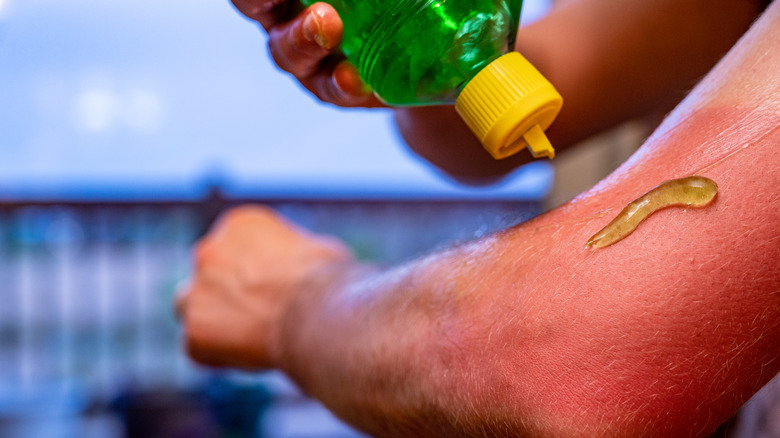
point(508, 105)
point(538, 144)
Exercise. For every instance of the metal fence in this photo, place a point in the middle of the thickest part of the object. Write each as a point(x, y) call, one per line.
point(88, 343)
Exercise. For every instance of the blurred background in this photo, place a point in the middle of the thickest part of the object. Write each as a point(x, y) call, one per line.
point(126, 127)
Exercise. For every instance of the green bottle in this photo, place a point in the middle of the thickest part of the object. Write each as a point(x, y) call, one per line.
point(426, 52)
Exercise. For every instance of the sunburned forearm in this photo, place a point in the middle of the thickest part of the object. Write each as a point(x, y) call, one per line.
point(529, 331)
point(378, 338)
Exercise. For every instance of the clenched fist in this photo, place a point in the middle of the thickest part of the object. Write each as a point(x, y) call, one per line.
point(248, 268)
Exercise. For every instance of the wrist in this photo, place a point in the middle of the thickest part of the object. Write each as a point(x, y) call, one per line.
point(299, 315)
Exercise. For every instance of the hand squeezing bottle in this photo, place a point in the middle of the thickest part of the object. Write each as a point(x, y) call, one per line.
point(432, 52)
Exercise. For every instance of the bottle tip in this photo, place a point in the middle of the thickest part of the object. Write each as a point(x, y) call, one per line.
point(508, 105)
point(538, 144)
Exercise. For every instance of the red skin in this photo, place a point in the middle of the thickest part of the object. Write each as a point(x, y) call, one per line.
point(665, 333)
point(612, 311)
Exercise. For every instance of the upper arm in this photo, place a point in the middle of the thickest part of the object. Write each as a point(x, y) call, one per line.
point(637, 58)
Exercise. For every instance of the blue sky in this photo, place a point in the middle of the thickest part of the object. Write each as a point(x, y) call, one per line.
point(107, 98)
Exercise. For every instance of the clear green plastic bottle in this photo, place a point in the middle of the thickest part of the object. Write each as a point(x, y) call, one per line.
point(421, 52)
point(429, 52)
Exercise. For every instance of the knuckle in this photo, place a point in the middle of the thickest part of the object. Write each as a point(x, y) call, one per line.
point(328, 91)
point(256, 9)
point(197, 344)
point(204, 253)
point(248, 210)
point(250, 8)
point(195, 350)
point(245, 214)
point(275, 50)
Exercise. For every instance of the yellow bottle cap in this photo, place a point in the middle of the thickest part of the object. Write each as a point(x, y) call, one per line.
point(508, 105)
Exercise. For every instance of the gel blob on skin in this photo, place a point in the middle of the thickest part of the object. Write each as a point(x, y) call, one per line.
point(693, 191)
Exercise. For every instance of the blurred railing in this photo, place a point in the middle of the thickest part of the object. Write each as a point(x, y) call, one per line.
point(88, 343)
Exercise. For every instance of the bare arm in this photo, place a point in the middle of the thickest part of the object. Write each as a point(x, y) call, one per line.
point(528, 331)
point(611, 60)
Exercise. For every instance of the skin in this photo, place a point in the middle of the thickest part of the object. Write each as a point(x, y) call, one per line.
point(656, 43)
point(527, 332)
point(692, 191)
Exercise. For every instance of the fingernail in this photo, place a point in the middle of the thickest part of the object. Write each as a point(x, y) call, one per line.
point(312, 31)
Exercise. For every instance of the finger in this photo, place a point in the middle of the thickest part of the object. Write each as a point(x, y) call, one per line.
point(339, 83)
point(213, 354)
point(202, 353)
point(300, 46)
point(307, 47)
point(268, 13)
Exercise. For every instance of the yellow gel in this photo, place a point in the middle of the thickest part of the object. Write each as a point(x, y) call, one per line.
point(692, 191)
